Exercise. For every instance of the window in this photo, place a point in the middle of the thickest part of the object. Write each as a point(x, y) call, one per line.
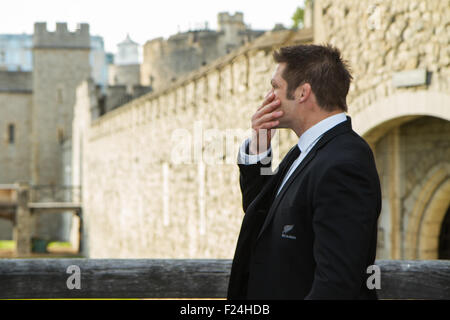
point(11, 137)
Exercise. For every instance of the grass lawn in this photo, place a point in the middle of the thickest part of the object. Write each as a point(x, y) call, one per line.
point(55, 250)
point(59, 245)
point(7, 244)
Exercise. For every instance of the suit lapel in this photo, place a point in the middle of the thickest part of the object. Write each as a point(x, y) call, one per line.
point(339, 129)
point(278, 198)
point(270, 185)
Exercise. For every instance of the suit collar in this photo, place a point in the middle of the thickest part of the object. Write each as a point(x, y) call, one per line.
point(316, 131)
point(341, 128)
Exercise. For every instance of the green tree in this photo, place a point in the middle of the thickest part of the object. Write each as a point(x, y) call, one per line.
point(298, 18)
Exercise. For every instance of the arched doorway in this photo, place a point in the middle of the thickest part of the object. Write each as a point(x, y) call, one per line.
point(432, 220)
point(413, 169)
point(413, 161)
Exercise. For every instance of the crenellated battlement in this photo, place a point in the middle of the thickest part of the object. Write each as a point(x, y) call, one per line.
point(225, 17)
point(61, 37)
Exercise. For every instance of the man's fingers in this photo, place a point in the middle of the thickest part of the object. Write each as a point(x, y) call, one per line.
point(267, 117)
point(271, 106)
point(269, 125)
point(263, 121)
point(267, 108)
point(268, 98)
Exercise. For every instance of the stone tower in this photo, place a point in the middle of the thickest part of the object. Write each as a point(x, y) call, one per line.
point(128, 52)
point(126, 69)
point(60, 64)
point(233, 27)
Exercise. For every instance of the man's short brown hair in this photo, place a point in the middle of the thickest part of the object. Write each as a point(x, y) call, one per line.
point(320, 66)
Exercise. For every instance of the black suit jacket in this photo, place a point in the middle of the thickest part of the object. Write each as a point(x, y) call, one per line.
point(316, 239)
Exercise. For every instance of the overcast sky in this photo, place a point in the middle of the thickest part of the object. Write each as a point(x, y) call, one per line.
point(142, 19)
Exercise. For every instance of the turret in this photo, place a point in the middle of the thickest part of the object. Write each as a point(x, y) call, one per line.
point(61, 37)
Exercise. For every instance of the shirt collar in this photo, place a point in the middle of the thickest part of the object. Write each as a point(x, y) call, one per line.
point(317, 130)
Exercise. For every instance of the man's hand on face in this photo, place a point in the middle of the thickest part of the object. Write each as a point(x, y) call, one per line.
point(263, 123)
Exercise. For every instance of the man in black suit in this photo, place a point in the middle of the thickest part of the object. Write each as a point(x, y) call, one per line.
point(310, 228)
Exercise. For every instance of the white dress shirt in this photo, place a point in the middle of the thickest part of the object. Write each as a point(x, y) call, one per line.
point(306, 142)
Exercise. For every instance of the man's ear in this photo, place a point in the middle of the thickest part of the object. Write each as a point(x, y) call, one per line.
point(303, 92)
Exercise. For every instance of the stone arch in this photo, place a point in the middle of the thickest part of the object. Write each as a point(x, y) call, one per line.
point(428, 237)
point(431, 202)
point(414, 221)
point(377, 119)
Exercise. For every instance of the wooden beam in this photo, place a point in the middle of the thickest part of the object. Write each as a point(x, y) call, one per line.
point(22, 226)
point(149, 278)
point(114, 278)
point(7, 186)
point(8, 211)
point(7, 214)
point(53, 207)
point(8, 195)
point(415, 279)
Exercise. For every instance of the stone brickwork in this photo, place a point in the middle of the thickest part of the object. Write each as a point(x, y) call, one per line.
point(18, 82)
point(379, 38)
point(426, 143)
point(14, 157)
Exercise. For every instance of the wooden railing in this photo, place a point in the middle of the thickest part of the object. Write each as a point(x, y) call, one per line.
point(148, 278)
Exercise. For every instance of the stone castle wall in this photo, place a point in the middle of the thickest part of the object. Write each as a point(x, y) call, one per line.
point(382, 37)
point(129, 75)
point(15, 157)
point(16, 82)
point(15, 102)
